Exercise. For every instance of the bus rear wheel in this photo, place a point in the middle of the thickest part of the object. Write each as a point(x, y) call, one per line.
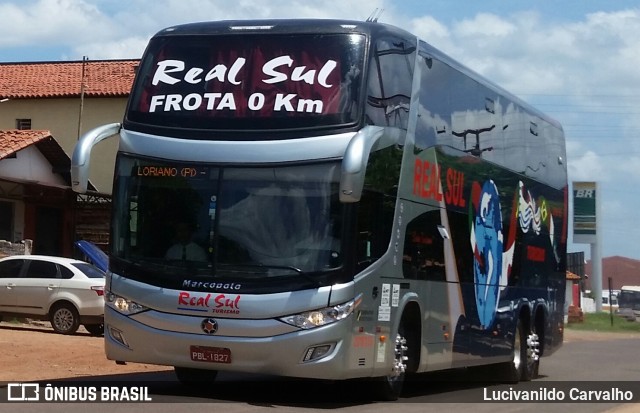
point(526, 355)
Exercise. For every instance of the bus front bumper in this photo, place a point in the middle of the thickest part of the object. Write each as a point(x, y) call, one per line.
point(289, 354)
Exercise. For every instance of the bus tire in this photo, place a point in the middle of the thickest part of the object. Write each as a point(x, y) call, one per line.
point(388, 388)
point(525, 359)
point(531, 358)
point(195, 377)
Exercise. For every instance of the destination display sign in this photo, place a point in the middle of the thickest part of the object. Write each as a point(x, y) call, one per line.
point(205, 81)
point(164, 171)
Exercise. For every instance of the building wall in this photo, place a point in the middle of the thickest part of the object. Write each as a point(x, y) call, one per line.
point(61, 117)
point(30, 165)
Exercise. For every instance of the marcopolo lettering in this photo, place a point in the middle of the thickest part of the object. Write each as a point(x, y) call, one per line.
point(206, 285)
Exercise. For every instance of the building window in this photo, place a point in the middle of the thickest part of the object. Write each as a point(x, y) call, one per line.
point(23, 124)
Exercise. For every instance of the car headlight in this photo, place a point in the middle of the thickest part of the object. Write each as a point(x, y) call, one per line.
point(123, 305)
point(323, 316)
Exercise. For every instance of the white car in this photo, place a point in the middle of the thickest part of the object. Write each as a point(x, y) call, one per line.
point(65, 291)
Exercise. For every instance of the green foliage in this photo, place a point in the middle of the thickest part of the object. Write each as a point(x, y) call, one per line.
point(602, 322)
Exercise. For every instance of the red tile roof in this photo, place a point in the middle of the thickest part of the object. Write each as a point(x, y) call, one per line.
point(105, 78)
point(573, 277)
point(13, 140)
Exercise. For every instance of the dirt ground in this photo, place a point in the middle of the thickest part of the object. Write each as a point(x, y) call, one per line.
point(31, 352)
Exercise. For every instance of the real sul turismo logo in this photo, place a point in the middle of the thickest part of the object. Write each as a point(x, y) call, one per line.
point(219, 304)
point(65, 392)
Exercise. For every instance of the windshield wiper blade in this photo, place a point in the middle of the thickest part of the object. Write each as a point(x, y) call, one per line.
point(298, 271)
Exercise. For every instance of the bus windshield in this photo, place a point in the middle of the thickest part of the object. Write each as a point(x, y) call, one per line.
point(220, 82)
point(254, 222)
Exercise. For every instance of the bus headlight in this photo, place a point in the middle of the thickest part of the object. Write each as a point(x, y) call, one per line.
point(323, 316)
point(123, 305)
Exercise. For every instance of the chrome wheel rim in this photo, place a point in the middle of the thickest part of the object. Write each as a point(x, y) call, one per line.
point(517, 356)
point(400, 359)
point(63, 319)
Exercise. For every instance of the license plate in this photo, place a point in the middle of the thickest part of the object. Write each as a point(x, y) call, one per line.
point(211, 354)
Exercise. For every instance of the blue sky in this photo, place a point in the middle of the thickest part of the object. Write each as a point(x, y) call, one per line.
point(577, 60)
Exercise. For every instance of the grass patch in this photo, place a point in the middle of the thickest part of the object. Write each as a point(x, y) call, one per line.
point(602, 322)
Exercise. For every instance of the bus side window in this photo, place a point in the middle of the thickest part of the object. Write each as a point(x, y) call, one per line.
point(390, 82)
point(377, 205)
point(423, 255)
point(375, 221)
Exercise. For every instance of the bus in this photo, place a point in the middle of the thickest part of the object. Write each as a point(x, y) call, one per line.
point(363, 207)
point(629, 302)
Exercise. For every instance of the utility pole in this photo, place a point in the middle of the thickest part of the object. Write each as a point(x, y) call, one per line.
point(85, 59)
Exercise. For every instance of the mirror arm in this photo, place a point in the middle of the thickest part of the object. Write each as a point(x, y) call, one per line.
point(81, 159)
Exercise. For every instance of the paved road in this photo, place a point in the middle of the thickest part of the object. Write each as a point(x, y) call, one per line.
point(608, 362)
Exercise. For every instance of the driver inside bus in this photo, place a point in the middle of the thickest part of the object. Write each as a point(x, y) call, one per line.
point(185, 249)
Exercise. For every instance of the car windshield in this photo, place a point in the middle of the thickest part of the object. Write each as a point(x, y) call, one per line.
point(89, 270)
point(254, 222)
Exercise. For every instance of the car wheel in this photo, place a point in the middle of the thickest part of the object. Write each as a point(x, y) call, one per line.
point(95, 329)
point(65, 319)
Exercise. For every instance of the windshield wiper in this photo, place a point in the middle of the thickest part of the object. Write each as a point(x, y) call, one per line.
point(278, 267)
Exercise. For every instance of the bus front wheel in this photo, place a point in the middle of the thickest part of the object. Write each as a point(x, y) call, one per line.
point(389, 387)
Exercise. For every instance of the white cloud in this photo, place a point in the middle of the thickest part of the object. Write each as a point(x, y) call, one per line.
point(128, 48)
point(46, 22)
point(429, 29)
point(483, 25)
point(587, 167)
point(630, 168)
point(527, 53)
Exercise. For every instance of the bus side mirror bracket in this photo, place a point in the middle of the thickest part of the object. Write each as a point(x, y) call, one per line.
point(81, 158)
point(354, 164)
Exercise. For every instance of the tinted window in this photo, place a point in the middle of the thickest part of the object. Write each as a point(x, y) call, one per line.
point(66, 273)
point(375, 221)
point(274, 81)
point(10, 268)
point(89, 270)
point(275, 218)
point(377, 205)
point(41, 269)
point(423, 256)
point(390, 82)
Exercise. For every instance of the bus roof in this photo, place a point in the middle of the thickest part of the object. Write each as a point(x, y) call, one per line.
point(630, 288)
point(279, 26)
point(276, 26)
